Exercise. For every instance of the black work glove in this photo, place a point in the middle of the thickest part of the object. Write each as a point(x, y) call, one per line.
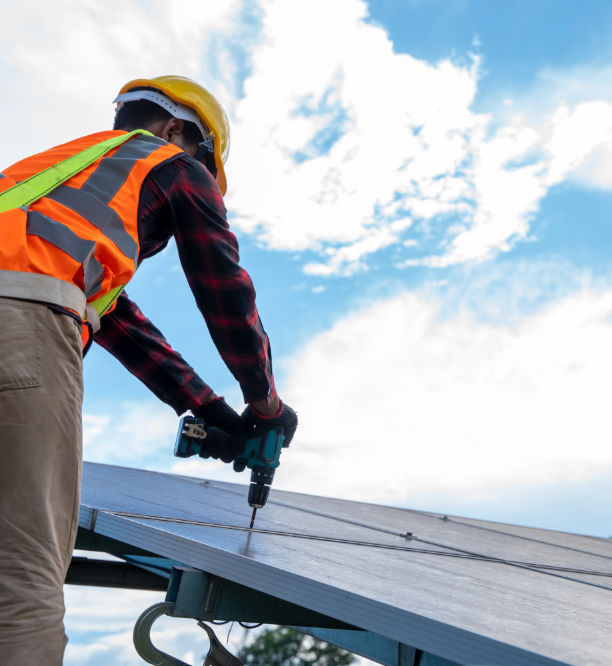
point(228, 443)
point(285, 417)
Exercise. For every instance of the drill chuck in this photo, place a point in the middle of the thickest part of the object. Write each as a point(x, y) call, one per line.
point(259, 488)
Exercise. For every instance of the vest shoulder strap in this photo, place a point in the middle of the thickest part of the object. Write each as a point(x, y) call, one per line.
point(40, 184)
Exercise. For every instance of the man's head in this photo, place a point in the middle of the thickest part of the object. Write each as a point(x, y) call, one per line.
point(152, 116)
point(181, 112)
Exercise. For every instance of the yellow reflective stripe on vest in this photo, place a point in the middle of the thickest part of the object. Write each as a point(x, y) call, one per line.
point(103, 304)
point(92, 199)
point(40, 184)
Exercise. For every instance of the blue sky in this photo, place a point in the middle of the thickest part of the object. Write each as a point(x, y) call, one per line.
point(422, 195)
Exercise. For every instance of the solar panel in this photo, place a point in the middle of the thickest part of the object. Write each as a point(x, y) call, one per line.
point(469, 591)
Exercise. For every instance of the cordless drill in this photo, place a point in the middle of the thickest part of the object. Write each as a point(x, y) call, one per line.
point(261, 453)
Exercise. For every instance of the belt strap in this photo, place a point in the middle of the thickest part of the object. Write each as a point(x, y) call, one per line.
point(42, 288)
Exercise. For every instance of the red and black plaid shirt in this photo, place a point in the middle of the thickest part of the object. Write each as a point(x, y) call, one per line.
point(180, 198)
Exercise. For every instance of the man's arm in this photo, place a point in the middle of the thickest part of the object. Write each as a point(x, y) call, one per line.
point(180, 198)
point(195, 215)
point(129, 336)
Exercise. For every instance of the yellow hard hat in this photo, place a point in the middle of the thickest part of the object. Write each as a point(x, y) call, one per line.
point(185, 91)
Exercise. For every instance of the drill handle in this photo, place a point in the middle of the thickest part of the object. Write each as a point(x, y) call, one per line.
point(194, 434)
point(262, 449)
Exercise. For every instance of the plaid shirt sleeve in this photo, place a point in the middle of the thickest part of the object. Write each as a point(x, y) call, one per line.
point(181, 199)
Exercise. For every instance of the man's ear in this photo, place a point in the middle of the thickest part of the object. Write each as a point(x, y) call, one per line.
point(172, 129)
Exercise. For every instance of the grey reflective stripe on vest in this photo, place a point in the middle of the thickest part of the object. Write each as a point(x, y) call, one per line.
point(113, 170)
point(65, 239)
point(2, 175)
point(98, 214)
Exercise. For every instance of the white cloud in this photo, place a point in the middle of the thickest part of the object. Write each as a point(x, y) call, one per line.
point(94, 425)
point(554, 87)
point(348, 151)
point(596, 170)
point(207, 468)
point(142, 434)
point(353, 127)
point(135, 434)
point(359, 137)
point(406, 398)
point(580, 143)
point(59, 82)
point(348, 258)
point(570, 110)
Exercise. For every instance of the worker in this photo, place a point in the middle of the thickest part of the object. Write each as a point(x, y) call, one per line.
point(75, 222)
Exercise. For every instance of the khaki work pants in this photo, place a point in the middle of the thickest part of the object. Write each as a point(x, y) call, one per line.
point(41, 391)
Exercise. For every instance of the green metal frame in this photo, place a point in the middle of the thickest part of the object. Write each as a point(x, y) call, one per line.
point(205, 597)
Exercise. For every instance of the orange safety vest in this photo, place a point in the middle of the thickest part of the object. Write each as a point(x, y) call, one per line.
point(83, 233)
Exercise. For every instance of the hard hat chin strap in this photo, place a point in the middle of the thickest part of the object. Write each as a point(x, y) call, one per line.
point(206, 154)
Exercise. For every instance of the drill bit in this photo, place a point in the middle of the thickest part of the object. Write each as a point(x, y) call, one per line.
point(253, 518)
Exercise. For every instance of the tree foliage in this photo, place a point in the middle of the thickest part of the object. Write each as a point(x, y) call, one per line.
point(283, 646)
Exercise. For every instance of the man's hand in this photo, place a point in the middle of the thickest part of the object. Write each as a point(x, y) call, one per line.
point(219, 414)
point(283, 416)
